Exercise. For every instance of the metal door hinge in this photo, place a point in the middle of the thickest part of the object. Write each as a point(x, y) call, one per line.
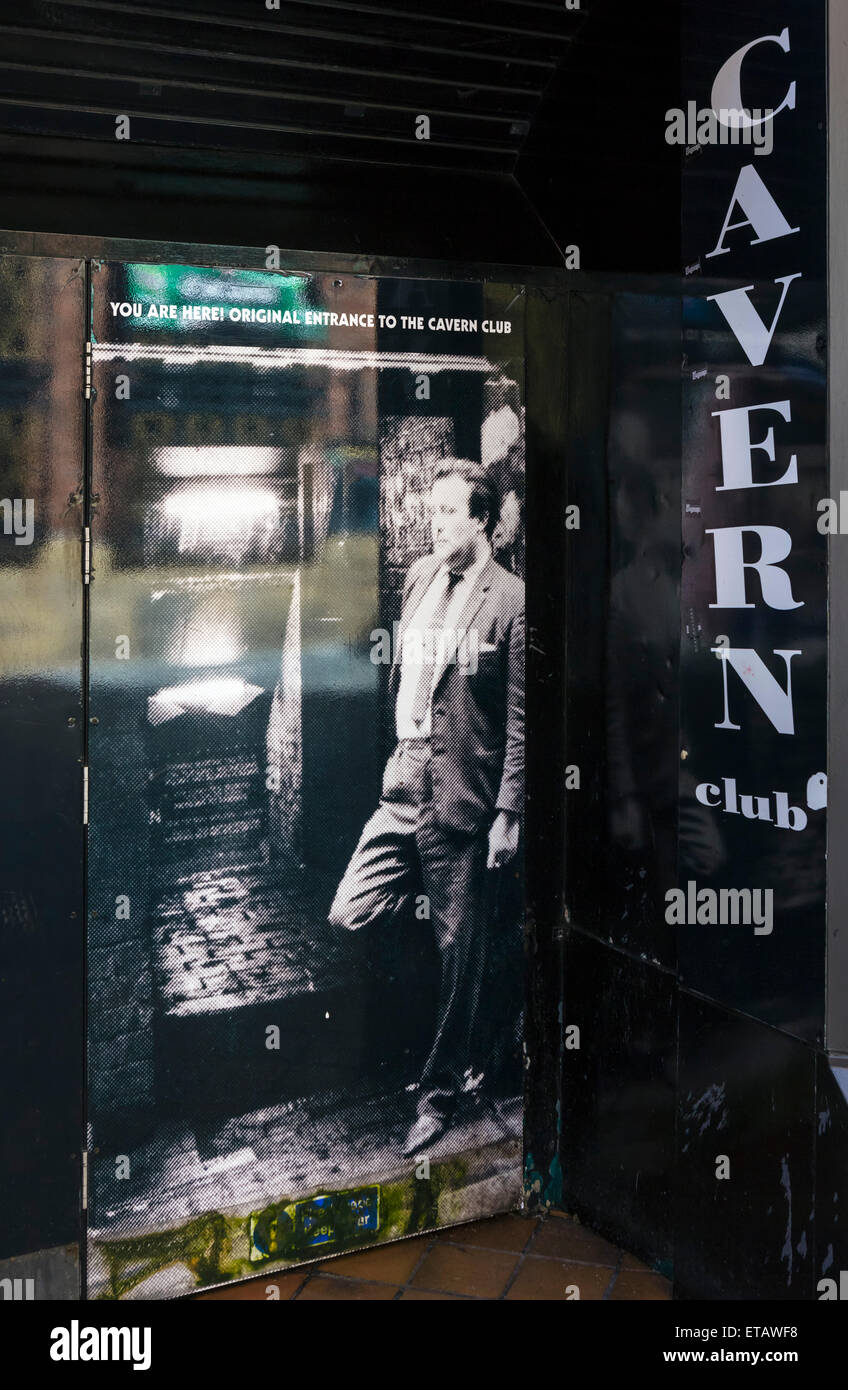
point(88, 371)
point(85, 796)
point(85, 1179)
point(86, 555)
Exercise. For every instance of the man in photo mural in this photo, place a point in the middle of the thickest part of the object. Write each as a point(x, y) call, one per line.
point(453, 789)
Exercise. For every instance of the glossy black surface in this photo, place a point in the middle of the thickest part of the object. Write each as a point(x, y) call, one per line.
point(587, 384)
point(41, 745)
point(830, 1256)
point(547, 402)
point(641, 627)
point(599, 127)
point(745, 1091)
point(621, 730)
point(623, 604)
point(618, 1097)
point(88, 188)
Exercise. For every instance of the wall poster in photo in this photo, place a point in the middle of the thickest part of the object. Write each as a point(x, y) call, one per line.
point(306, 783)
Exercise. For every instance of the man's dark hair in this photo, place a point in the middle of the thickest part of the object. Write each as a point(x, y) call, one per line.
point(483, 497)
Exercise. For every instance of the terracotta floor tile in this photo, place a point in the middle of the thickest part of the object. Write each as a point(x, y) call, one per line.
point(427, 1296)
point(568, 1240)
point(631, 1262)
point(634, 1286)
point(549, 1279)
point(510, 1232)
point(257, 1288)
point(321, 1286)
point(389, 1264)
point(447, 1269)
point(473, 1261)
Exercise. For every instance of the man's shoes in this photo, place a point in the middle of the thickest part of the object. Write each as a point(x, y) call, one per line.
point(472, 1084)
point(426, 1129)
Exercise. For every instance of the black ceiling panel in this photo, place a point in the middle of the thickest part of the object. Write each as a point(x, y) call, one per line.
point(547, 125)
point(342, 80)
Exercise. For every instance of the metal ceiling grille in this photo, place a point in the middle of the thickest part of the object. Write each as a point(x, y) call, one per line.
point(342, 79)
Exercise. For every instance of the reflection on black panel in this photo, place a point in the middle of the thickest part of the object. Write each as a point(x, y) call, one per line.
point(42, 330)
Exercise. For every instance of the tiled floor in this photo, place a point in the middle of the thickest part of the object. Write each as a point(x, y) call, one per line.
point(505, 1257)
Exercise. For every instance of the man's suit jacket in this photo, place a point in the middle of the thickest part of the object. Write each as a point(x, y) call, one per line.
point(477, 715)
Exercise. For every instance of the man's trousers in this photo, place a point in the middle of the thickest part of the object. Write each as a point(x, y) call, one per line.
point(401, 852)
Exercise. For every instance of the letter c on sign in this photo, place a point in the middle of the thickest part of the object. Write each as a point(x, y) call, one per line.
point(726, 95)
point(702, 792)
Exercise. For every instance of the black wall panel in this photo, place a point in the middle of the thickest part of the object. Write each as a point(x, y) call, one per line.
point(42, 317)
point(744, 1175)
point(618, 1096)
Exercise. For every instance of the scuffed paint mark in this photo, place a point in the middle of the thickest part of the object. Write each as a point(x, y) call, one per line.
point(801, 1247)
point(553, 1192)
point(540, 1191)
point(532, 1182)
point(786, 1184)
point(709, 1110)
point(824, 1121)
point(828, 1260)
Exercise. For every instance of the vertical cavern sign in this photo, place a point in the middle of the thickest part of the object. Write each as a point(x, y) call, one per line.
point(753, 719)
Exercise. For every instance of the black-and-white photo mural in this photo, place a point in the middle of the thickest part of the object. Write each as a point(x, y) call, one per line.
point(306, 783)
